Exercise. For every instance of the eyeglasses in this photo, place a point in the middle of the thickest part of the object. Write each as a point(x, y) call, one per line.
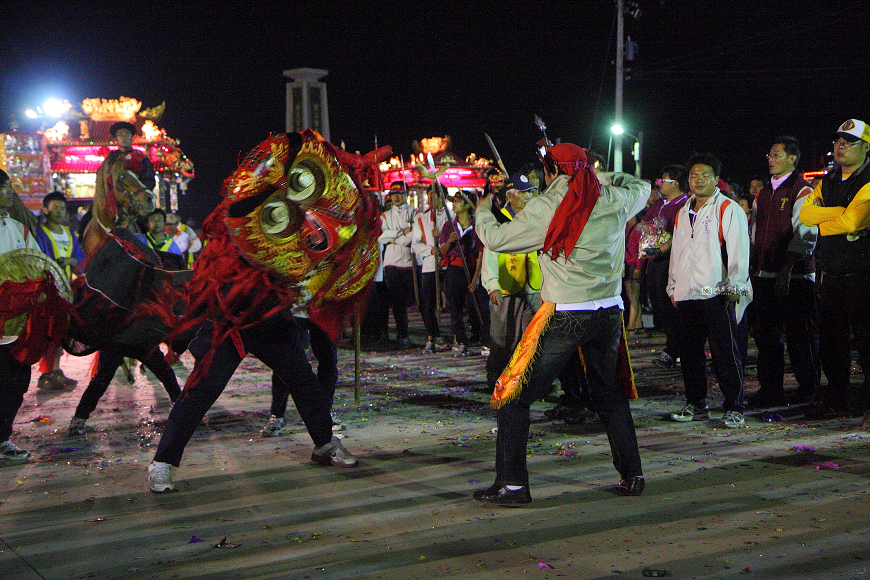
point(843, 144)
point(660, 181)
point(776, 156)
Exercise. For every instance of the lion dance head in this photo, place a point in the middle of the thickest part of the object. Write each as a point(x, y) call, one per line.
point(295, 230)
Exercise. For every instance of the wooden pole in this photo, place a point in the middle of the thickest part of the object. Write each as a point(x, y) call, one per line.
point(357, 359)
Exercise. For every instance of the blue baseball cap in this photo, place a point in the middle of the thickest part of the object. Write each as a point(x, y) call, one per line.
point(519, 182)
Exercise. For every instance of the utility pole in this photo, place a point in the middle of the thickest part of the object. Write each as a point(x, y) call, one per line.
point(620, 48)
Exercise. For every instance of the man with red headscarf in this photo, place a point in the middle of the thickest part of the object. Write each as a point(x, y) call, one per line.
point(578, 222)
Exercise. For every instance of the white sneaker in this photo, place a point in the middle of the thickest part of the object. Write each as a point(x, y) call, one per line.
point(733, 420)
point(274, 427)
point(440, 345)
point(10, 453)
point(337, 425)
point(334, 453)
point(160, 477)
point(691, 413)
point(76, 427)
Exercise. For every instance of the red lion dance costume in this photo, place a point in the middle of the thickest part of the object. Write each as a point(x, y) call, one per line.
point(294, 230)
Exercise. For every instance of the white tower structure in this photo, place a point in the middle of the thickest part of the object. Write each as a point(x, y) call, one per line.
point(306, 101)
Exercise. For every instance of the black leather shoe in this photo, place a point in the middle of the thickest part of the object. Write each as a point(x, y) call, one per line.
point(631, 486)
point(501, 495)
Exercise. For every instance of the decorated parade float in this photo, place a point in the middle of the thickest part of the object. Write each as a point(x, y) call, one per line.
point(66, 156)
point(434, 156)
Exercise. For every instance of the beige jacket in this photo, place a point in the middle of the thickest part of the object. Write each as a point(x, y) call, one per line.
point(593, 270)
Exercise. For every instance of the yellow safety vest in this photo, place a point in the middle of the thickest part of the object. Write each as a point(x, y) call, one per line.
point(55, 249)
point(517, 270)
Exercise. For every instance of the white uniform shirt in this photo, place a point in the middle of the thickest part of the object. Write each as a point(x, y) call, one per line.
point(397, 250)
point(14, 236)
point(423, 242)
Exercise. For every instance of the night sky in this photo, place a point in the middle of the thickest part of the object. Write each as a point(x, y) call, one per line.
point(719, 76)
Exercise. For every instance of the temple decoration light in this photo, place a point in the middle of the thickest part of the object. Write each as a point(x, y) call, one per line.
point(433, 144)
point(151, 132)
point(58, 132)
point(121, 109)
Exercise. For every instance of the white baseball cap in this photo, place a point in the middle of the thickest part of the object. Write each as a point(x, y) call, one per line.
point(854, 129)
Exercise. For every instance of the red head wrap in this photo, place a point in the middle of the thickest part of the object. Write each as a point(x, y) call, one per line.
point(574, 211)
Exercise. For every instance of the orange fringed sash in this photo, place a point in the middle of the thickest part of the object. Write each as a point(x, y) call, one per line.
point(516, 373)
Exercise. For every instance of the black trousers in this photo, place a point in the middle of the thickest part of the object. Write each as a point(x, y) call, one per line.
point(459, 299)
point(790, 320)
point(376, 320)
point(663, 309)
point(109, 361)
point(710, 320)
point(275, 342)
point(844, 309)
point(14, 382)
point(429, 307)
point(400, 281)
point(324, 351)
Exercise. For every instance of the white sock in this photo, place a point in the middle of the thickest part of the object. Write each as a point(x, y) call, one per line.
point(514, 487)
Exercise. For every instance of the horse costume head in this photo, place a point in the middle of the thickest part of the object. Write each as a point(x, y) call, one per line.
point(119, 198)
point(130, 197)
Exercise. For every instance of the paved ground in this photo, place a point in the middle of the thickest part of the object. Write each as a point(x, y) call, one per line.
point(775, 500)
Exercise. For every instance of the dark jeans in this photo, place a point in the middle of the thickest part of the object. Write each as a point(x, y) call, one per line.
point(108, 362)
point(844, 309)
point(710, 320)
point(790, 320)
point(327, 366)
point(459, 299)
point(14, 382)
point(429, 307)
point(574, 383)
point(275, 342)
point(597, 332)
point(400, 281)
point(663, 309)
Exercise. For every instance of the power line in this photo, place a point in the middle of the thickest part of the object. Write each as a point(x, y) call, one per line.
point(773, 36)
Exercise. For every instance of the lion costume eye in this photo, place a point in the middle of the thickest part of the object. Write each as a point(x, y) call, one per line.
point(280, 217)
point(306, 182)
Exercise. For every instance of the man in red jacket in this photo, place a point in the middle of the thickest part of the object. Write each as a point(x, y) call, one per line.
point(783, 281)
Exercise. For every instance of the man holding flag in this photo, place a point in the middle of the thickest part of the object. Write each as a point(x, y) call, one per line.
point(579, 225)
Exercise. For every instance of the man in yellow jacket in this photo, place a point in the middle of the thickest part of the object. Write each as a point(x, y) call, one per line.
point(840, 206)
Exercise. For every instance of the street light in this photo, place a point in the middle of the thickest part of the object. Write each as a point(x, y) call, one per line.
point(618, 129)
point(51, 108)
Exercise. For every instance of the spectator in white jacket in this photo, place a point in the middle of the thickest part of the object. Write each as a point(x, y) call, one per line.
point(708, 282)
point(397, 227)
point(427, 229)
